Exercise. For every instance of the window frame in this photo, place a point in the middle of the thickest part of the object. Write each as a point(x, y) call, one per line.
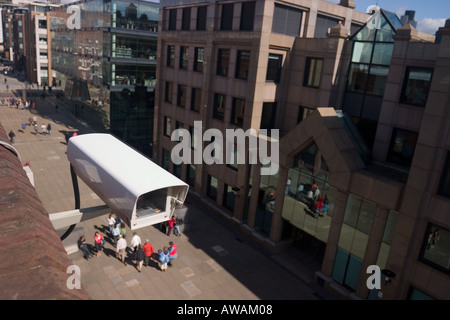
point(181, 95)
point(391, 156)
point(186, 19)
point(170, 56)
point(202, 13)
point(241, 71)
point(196, 59)
point(445, 176)
point(311, 83)
point(226, 17)
point(220, 69)
point(217, 114)
point(184, 58)
point(271, 70)
point(234, 110)
point(247, 16)
point(172, 20)
point(194, 98)
point(403, 95)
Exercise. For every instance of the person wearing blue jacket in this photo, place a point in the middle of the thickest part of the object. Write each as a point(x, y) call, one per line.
point(164, 258)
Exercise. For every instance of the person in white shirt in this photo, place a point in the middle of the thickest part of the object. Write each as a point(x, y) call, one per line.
point(135, 241)
point(121, 249)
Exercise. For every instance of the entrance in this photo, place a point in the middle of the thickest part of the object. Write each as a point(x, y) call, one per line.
point(309, 245)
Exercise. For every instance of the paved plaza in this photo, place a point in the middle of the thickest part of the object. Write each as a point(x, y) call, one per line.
point(215, 260)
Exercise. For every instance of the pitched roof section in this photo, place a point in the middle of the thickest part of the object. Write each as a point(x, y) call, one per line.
point(339, 152)
point(33, 262)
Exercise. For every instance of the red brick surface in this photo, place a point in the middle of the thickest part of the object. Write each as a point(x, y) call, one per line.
point(33, 262)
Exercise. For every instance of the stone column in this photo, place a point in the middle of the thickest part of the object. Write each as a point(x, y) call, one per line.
point(372, 249)
point(335, 232)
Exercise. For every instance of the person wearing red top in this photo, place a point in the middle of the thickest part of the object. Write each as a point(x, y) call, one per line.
point(148, 252)
point(98, 243)
point(171, 223)
point(172, 252)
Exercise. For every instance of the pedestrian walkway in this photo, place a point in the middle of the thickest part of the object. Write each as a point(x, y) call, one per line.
point(215, 260)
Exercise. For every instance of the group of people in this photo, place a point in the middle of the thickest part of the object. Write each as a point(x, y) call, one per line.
point(46, 129)
point(142, 253)
point(18, 103)
point(174, 225)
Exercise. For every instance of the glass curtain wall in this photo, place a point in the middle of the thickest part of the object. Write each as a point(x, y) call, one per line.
point(309, 199)
point(368, 71)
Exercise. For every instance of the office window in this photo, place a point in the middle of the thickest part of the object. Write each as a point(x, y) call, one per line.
point(172, 19)
point(196, 95)
point(165, 155)
point(179, 134)
point(416, 85)
point(228, 197)
point(199, 59)
point(402, 147)
point(181, 95)
point(268, 115)
point(237, 112)
point(194, 141)
point(170, 56)
point(436, 248)
point(274, 68)
point(286, 20)
point(313, 72)
point(212, 187)
point(223, 60)
point(190, 175)
point(323, 24)
point(186, 19)
point(226, 20)
point(444, 184)
point(167, 126)
point(247, 16)
point(201, 18)
point(219, 106)
point(303, 113)
point(184, 55)
point(242, 64)
point(168, 92)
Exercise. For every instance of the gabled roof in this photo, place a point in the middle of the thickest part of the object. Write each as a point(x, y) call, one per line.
point(339, 152)
point(388, 17)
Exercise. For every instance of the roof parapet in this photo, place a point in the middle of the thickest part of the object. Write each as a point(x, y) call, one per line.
point(409, 33)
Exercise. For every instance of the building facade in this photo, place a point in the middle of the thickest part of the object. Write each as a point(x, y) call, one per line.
point(105, 52)
point(353, 96)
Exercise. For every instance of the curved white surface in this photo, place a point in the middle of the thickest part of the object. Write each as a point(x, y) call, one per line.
point(119, 175)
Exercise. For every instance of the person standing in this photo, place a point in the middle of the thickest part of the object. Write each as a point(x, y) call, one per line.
point(140, 255)
point(288, 186)
point(35, 128)
point(115, 233)
point(172, 252)
point(111, 220)
point(171, 224)
point(49, 129)
point(163, 258)
point(121, 249)
point(11, 136)
point(44, 128)
point(135, 241)
point(123, 230)
point(83, 246)
point(148, 252)
point(98, 238)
